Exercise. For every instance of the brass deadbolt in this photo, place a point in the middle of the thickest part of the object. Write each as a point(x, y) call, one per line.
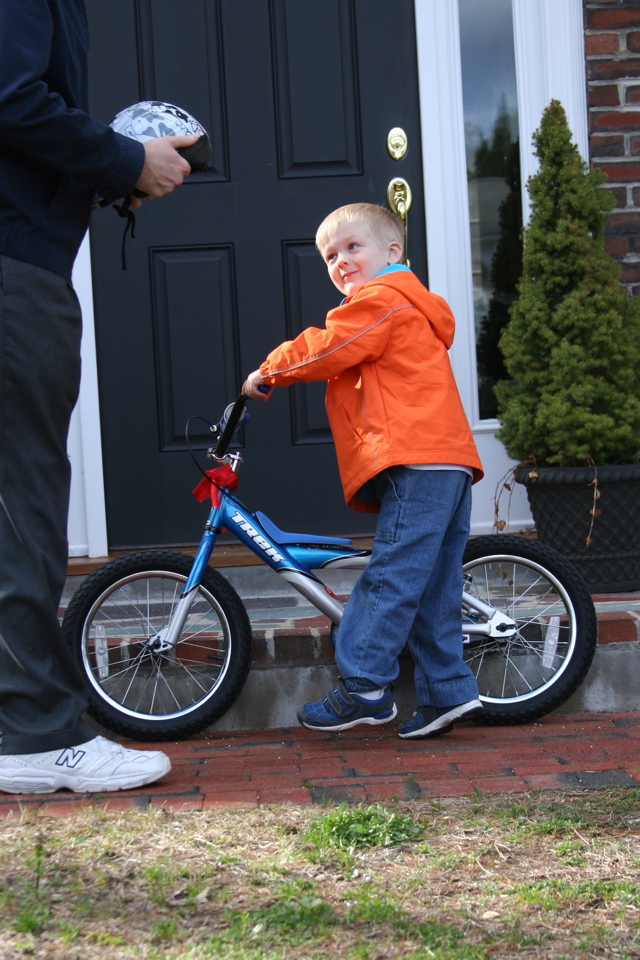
point(397, 143)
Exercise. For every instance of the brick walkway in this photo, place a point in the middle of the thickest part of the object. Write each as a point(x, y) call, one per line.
point(301, 766)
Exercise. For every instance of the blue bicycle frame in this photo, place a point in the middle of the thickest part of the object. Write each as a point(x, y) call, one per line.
point(293, 556)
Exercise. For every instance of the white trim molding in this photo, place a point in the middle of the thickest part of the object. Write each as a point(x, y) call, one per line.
point(87, 526)
point(550, 65)
point(445, 180)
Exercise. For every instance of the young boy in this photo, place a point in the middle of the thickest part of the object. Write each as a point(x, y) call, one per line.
point(405, 450)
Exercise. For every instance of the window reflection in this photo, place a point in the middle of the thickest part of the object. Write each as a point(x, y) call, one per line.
point(493, 171)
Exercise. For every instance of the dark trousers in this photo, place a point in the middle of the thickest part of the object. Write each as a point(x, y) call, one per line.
point(41, 690)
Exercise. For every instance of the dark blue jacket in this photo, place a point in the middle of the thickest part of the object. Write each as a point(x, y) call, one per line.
point(53, 155)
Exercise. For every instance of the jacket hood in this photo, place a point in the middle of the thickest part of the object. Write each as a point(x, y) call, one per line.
point(391, 395)
point(434, 308)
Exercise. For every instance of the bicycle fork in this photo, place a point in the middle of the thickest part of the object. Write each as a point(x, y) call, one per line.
point(166, 639)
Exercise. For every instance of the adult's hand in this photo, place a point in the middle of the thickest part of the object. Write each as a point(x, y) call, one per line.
point(164, 168)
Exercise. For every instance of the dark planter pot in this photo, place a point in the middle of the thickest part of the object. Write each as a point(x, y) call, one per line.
point(561, 499)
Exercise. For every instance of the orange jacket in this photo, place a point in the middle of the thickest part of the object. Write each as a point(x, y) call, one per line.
point(391, 395)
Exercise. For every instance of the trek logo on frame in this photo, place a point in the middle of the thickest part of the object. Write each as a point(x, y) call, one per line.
point(256, 537)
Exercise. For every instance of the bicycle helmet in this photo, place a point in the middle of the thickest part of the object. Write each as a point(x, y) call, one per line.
point(144, 121)
point(154, 118)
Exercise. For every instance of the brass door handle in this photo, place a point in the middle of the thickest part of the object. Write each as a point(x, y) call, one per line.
point(399, 197)
point(399, 200)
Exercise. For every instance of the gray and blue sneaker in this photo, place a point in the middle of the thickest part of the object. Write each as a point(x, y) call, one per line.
point(341, 710)
point(432, 721)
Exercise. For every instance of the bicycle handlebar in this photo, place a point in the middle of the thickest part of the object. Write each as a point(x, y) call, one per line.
point(235, 415)
point(231, 422)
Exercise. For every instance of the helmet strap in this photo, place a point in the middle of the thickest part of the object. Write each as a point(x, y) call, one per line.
point(124, 210)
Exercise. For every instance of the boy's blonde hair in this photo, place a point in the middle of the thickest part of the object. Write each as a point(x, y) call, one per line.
point(385, 227)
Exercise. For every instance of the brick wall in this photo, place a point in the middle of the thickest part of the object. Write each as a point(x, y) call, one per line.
point(612, 46)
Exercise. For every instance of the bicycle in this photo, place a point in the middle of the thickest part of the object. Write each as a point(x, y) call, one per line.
point(164, 640)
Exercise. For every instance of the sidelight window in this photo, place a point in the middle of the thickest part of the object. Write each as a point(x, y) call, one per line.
point(490, 109)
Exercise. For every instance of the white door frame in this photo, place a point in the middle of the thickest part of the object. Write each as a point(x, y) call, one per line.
point(550, 62)
point(87, 526)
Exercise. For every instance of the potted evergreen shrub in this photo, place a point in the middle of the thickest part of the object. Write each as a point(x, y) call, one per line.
point(570, 412)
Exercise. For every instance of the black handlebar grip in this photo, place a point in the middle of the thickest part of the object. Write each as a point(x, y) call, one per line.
point(232, 422)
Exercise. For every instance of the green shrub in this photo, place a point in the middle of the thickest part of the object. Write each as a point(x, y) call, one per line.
point(572, 344)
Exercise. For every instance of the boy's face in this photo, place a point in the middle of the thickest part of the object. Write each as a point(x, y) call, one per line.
point(353, 256)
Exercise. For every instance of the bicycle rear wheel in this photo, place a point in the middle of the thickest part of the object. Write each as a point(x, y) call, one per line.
point(146, 694)
point(526, 675)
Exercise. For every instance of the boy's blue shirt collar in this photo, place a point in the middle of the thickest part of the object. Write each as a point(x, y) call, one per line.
point(392, 268)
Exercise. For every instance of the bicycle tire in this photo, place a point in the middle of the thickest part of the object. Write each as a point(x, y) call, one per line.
point(147, 695)
point(526, 676)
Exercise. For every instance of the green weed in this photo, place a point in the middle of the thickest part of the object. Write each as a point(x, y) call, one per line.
point(68, 931)
point(168, 881)
point(571, 852)
point(163, 930)
point(555, 895)
point(295, 915)
point(106, 939)
point(362, 826)
point(374, 909)
point(31, 918)
point(447, 942)
point(360, 952)
point(535, 814)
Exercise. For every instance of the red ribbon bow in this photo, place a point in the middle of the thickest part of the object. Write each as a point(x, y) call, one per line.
point(222, 476)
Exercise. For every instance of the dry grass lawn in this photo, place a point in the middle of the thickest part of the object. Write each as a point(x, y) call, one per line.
point(552, 875)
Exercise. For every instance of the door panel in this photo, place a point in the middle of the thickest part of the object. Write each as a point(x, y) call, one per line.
point(298, 98)
point(180, 59)
point(188, 285)
point(316, 78)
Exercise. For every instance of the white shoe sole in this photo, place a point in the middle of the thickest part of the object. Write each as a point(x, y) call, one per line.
point(372, 721)
point(21, 781)
point(447, 721)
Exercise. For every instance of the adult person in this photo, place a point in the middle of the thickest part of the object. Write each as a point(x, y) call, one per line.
point(54, 158)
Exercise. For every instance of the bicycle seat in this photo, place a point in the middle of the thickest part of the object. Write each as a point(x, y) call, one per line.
point(281, 537)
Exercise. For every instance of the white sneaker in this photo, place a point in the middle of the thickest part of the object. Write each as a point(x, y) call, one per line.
point(93, 767)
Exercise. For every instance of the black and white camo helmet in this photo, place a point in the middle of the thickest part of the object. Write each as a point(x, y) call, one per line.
point(154, 118)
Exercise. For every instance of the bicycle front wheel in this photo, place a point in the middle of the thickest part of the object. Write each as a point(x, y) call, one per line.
point(526, 675)
point(110, 626)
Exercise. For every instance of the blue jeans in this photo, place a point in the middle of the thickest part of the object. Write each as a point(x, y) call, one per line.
point(411, 591)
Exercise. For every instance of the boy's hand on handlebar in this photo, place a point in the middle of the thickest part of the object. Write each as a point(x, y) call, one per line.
point(256, 388)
